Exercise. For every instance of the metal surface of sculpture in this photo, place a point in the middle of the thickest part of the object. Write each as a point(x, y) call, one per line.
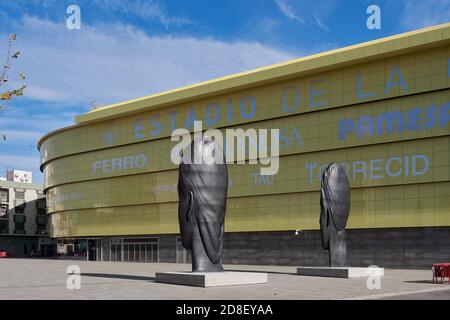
point(202, 191)
point(334, 211)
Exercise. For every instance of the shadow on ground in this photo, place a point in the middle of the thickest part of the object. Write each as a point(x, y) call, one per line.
point(421, 281)
point(259, 271)
point(118, 276)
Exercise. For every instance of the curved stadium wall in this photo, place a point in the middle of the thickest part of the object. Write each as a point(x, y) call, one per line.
point(380, 108)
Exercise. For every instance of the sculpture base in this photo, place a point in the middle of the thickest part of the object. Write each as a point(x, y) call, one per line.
point(336, 272)
point(211, 279)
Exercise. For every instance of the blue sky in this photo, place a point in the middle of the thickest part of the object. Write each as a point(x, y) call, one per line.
point(131, 48)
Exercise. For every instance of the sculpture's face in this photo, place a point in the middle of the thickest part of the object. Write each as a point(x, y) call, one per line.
point(202, 190)
point(185, 211)
point(334, 200)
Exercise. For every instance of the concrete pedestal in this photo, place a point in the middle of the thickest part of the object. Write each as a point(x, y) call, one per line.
point(337, 272)
point(211, 279)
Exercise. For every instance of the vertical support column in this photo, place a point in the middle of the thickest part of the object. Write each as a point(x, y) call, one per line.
point(106, 249)
point(122, 252)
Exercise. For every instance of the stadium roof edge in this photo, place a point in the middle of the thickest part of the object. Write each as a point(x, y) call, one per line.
point(358, 53)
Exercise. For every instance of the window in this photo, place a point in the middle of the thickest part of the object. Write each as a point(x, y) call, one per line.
point(4, 226)
point(41, 228)
point(19, 193)
point(40, 203)
point(116, 252)
point(20, 205)
point(41, 219)
point(19, 228)
point(3, 211)
point(125, 253)
point(141, 249)
point(130, 252)
point(19, 209)
point(19, 218)
point(3, 195)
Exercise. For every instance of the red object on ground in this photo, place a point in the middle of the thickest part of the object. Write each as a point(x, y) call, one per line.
point(440, 272)
point(5, 254)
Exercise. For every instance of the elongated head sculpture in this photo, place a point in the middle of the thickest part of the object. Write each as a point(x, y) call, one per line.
point(334, 211)
point(202, 191)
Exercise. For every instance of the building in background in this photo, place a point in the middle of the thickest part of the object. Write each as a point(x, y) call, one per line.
point(23, 218)
point(19, 176)
point(381, 109)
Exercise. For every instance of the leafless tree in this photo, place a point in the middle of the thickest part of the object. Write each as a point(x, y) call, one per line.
point(7, 95)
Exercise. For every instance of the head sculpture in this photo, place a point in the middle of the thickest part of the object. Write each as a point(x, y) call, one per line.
point(202, 191)
point(334, 212)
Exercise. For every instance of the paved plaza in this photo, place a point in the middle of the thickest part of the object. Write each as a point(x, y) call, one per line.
point(46, 279)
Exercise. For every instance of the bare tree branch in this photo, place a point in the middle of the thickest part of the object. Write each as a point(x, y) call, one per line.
point(8, 95)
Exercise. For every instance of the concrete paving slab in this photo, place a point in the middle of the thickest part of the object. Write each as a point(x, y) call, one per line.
point(43, 279)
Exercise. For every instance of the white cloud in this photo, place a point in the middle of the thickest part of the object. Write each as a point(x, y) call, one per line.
point(107, 64)
point(266, 28)
point(321, 24)
point(22, 137)
point(22, 162)
point(419, 14)
point(117, 62)
point(19, 162)
point(19, 150)
point(43, 94)
point(24, 129)
point(313, 13)
point(43, 119)
point(288, 11)
point(142, 9)
point(147, 10)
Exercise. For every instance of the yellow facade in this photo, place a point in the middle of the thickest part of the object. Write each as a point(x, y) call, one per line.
point(381, 109)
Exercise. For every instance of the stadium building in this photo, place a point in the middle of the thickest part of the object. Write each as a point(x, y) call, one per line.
point(380, 108)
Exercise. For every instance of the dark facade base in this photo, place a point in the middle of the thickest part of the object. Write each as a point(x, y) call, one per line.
point(387, 248)
point(408, 248)
point(18, 246)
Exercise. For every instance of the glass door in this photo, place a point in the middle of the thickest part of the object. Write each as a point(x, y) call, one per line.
point(182, 253)
point(136, 251)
